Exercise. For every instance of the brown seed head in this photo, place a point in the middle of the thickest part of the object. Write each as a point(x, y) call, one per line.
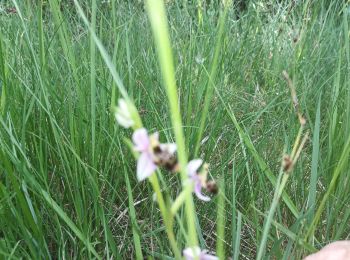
point(287, 163)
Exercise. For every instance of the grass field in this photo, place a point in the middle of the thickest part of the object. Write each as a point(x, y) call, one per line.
point(68, 186)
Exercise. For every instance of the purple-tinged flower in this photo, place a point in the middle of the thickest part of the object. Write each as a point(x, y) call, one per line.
point(199, 180)
point(123, 115)
point(196, 253)
point(143, 144)
point(152, 153)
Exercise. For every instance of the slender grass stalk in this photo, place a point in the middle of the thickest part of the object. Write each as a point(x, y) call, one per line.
point(135, 228)
point(289, 233)
point(104, 54)
point(41, 36)
point(343, 161)
point(93, 79)
point(64, 38)
point(199, 13)
point(234, 205)
point(3, 78)
point(28, 210)
point(111, 67)
point(283, 177)
point(220, 222)
point(281, 182)
point(211, 82)
point(347, 55)
point(166, 215)
point(314, 163)
point(236, 248)
point(159, 24)
point(179, 201)
point(70, 223)
point(263, 165)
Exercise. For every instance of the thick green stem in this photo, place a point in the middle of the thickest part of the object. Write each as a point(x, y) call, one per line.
point(181, 199)
point(167, 217)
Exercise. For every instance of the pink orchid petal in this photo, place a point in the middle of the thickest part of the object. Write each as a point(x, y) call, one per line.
point(145, 166)
point(208, 257)
point(198, 192)
point(190, 253)
point(141, 140)
point(193, 166)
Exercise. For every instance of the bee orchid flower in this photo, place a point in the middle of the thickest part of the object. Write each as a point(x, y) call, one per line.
point(152, 153)
point(196, 253)
point(199, 180)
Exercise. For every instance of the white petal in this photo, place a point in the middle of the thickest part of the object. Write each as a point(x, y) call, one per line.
point(145, 166)
point(193, 166)
point(141, 140)
point(123, 106)
point(123, 115)
point(123, 121)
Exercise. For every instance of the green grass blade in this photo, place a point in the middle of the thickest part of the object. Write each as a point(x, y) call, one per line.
point(314, 162)
point(69, 222)
point(263, 166)
point(236, 248)
point(103, 53)
point(342, 163)
point(93, 80)
point(220, 222)
point(133, 219)
point(214, 66)
point(2, 78)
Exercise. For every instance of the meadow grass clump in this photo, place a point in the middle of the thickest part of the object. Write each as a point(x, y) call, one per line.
point(259, 92)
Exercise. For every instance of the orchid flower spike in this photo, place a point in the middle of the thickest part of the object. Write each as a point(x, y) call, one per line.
point(152, 153)
point(199, 180)
point(196, 253)
point(123, 114)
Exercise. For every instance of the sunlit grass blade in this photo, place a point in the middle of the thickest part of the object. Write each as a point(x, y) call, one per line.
point(159, 24)
point(220, 222)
